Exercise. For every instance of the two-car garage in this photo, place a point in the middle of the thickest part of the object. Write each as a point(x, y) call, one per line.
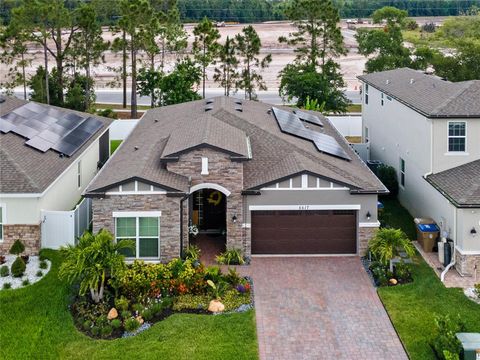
point(283, 232)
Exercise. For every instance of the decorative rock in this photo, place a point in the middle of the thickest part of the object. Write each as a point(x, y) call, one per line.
point(139, 319)
point(112, 314)
point(216, 306)
point(393, 281)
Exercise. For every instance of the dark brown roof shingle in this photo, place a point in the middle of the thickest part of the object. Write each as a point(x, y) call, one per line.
point(461, 184)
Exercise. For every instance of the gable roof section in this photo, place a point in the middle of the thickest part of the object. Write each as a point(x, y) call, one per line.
point(274, 155)
point(27, 170)
point(208, 132)
point(428, 94)
point(461, 184)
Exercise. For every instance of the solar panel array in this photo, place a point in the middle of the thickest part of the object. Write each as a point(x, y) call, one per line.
point(290, 123)
point(48, 128)
point(312, 119)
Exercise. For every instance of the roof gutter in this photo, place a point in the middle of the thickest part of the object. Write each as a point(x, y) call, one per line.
point(453, 260)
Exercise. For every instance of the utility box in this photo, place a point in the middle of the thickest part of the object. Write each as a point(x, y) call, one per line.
point(427, 233)
point(470, 344)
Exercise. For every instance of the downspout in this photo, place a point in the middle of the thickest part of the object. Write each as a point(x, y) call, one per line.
point(187, 195)
point(452, 262)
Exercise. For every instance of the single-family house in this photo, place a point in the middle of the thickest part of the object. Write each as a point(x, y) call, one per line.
point(48, 155)
point(263, 179)
point(429, 130)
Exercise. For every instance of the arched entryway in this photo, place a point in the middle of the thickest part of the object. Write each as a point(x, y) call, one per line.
point(208, 213)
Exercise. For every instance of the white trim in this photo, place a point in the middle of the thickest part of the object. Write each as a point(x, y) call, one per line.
point(135, 193)
point(304, 207)
point(249, 147)
point(210, 186)
point(300, 255)
point(304, 181)
point(204, 166)
point(3, 206)
point(467, 252)
point(369, 225)
point(246, 225)
point(117, 214)
point(464, 152)
point(301, 189)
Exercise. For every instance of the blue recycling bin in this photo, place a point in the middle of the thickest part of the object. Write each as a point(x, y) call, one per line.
point(427, 234)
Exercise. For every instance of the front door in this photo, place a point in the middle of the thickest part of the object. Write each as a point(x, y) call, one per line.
point(209, 210)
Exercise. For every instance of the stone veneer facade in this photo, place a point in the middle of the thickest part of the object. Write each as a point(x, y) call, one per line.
point(221, 171)
point(169, 221)
point(28, 234)
point(467, 265)
point(365, 234)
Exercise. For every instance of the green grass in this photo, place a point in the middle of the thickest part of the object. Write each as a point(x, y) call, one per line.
point(398, 217)
point(357, 108)
point(114, 144)
point(413, 307)
point(417, 38)
point(36, 324)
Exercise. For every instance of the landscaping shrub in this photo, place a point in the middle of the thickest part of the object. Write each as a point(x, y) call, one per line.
point(4, 271)
point(43, 264)
point(116, 323)
point(445, 341)
point(17, 248)
point(217, 290)
point(388, 176)
point(429, 27)
point(192, 253)
point(7, 286)
point(121, 303)
point(231, 257)
point(213, 273)
point(388, 243)
point(26, 282)
point(131, 324)
point(106, 330)
point(232, 300)
point(191, 302)
point(39, 273)
point(95, 330)
point(126, 314)
point(18, 267)
point(108, 112)
point(411, 25)
point(476, 290)
point(41, 257)
point(232, 277)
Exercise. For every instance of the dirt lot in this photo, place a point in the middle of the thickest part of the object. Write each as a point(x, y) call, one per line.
point(351, 65)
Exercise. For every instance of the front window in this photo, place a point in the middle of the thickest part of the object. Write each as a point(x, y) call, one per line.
point(366, 94)
point(402, 172)
point(144, 231)
point(457, 136)
point(381, 99)
point(79, 174)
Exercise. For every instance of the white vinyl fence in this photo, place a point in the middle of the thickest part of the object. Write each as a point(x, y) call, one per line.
point(120, 129)
point(65, 227)
point(347, 125)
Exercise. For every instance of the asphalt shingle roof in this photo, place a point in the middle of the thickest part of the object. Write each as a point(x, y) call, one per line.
point(428, 94)
point(460, 184)
point(24, 169)
point(275, 155)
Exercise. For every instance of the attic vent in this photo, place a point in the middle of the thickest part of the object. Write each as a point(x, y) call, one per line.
point(208, 108)
point(412, 81)
point(387, 82)
point(209, 101)
point(238, 108)
point(238, 102)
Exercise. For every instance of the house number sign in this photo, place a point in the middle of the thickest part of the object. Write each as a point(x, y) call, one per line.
point(303, 207)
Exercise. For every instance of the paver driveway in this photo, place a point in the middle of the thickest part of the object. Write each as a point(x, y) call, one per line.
point(320, 308)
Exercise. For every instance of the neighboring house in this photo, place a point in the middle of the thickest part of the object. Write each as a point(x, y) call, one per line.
point(429, 130)
point(48, 155)
point(226, 166)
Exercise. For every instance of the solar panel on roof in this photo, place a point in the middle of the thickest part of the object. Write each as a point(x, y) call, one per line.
point(313, 119)
point(291, 124)
point(48, 128)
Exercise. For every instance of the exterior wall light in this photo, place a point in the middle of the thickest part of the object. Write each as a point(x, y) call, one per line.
point(473, 232)
point(234, 219)
point(368, 215)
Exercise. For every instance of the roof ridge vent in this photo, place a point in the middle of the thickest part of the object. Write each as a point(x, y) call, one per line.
point(208, 108)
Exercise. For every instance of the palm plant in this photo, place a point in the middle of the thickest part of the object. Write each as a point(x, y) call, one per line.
point(94, 260)
point(389, 243)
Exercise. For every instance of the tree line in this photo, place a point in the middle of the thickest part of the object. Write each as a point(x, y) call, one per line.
point(146, 31)
point(247, 11)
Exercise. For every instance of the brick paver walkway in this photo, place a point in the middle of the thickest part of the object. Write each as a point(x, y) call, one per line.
point(320, 308)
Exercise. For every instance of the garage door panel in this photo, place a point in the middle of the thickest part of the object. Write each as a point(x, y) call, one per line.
point(304, 232)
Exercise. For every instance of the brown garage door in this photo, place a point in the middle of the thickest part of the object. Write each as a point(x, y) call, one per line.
point(304, 232)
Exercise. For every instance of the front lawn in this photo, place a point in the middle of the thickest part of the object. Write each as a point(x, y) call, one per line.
point(35, 323)
point(413, 307)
